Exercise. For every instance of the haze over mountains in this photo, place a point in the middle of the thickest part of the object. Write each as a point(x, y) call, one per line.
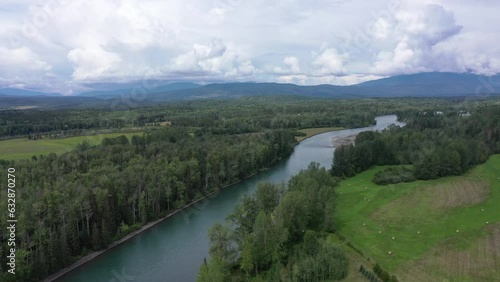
point(83, 45)
point(149, 86)
point(25, 93)
point(414, 85)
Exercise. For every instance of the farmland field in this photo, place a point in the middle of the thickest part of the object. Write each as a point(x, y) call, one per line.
point(438, 230)
point(23, 148)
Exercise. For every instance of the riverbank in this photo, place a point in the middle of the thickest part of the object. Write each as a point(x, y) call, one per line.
point(310, 132)
point(91, 256)
point(187, 244)
point(346, 140)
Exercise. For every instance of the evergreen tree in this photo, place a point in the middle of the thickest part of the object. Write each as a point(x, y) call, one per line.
point(96, 237)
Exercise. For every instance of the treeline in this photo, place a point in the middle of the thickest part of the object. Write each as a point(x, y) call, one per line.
point(37, 122)
point(257, 113)
point(378, 275)
point(245, 115)
point(279, 234)
point(80, 201)
point(435, 144)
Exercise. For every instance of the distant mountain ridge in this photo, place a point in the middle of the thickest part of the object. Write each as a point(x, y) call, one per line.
point(242, 89)
point(413, 85)
point(434, 84)
point(106, 94)
point(25, 93)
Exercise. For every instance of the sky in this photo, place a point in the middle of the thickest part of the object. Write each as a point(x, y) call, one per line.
point(67, 46)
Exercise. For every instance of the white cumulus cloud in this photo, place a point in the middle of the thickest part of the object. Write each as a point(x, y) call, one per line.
point(64, 45)
point(329, 62)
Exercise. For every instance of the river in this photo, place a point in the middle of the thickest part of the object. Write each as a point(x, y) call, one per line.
point(173, 250)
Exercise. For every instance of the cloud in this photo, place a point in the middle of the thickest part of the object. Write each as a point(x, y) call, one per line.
point(12, 58)
point(469, 52)
point(331, 79)
point(212, 60)
point(329, 62)
point(92, 63)
point(33, 71)
point(292, 66)
point(415, 34)
point(319, 41)
point(293, 63)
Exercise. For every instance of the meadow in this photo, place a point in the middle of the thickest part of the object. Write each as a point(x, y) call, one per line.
point(23, 148)
point(446, 229)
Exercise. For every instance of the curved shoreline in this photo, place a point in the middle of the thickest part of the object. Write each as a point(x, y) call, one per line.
point(91, 256)
point(82, 261)
point(318, 133)
point(345, 140)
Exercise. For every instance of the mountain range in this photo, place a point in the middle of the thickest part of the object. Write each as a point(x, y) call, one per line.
point(150, 87)
point(25, 93)
point(435, 84)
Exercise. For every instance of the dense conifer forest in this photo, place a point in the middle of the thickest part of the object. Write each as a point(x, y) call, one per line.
point(71, 204)
point(279, 234)
point(435, 144)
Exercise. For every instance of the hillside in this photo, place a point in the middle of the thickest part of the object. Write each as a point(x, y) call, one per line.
point(25, 93)
point(106, 94)
point(414, 85)
point(426, 230)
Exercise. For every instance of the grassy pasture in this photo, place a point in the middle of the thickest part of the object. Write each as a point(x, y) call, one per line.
point(315, 131)
point(23, 148)
point(440, 230)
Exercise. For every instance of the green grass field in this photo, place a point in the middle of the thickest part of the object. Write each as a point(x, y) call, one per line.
point(314, 131)
point(440, 230)
point(16, 149)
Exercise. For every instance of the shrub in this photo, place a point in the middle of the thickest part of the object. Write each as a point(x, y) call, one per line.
point(355, 249)
point(394, 175)
point(394, 279)
point(383, 274)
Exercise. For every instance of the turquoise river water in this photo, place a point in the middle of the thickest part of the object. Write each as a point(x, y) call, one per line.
point(173, 250)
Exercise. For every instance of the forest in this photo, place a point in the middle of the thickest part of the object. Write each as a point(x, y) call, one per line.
point(83, 200)
point(434, 144)
point(279, 234)
point(71, 204)
point(247, 115)
point(251, 114)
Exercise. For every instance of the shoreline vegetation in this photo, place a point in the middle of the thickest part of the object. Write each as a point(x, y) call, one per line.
point(18, 148)
point(135, 169)
point(310, 132)
point(107, 192)
point(93, 255)
point(133, 172)
point(442, 172)
point(287, 225)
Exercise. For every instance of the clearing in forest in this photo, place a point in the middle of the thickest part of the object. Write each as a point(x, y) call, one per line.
point(448, 228)
point(22, 148)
